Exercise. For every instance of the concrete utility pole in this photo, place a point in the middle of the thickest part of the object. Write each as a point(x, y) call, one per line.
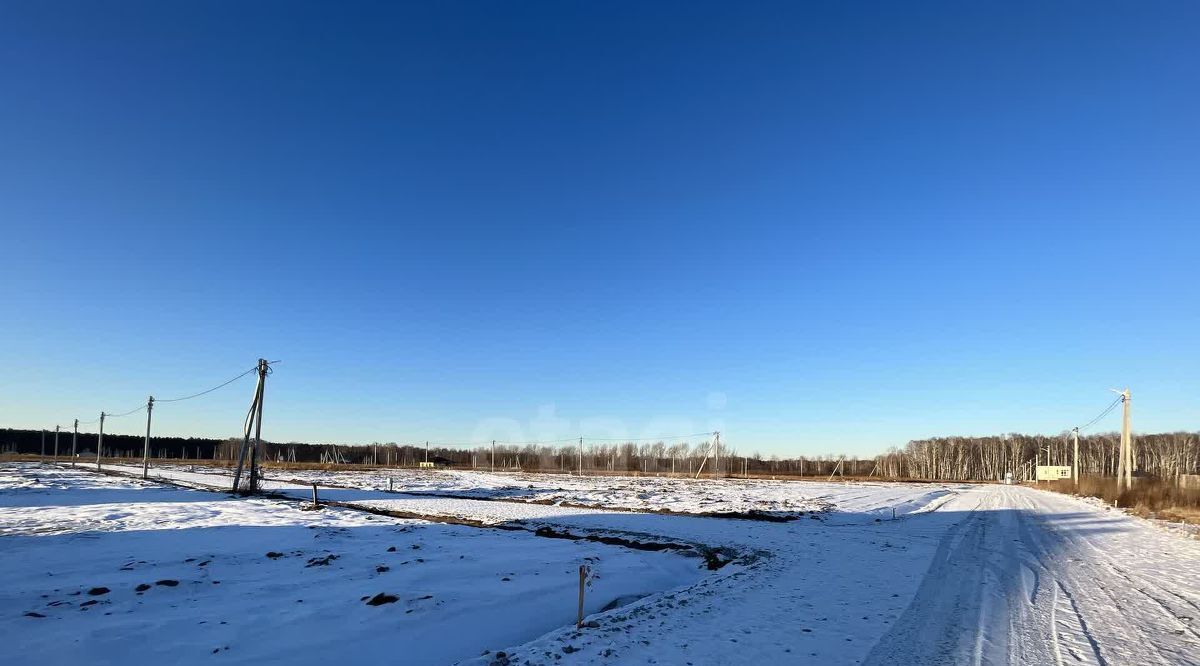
point(146, 446)
point(100, 442)
point(1125, 471)
point(716, 454)
point(580, 456)
point(262, 379)
point(55, 443)
point(1075, 471)
point(74, 436)
point(426, 451)
point(43, 442)
point(253, 422)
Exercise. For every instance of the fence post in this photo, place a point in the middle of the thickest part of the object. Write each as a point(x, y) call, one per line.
point(582, 582)
point(315, 503)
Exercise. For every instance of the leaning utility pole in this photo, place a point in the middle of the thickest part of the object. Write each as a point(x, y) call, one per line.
point(253, 422)
point(1075, 471)
point(100, 442)
point(146, 446)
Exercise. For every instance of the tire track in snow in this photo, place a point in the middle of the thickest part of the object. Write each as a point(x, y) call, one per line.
point(1112, 640)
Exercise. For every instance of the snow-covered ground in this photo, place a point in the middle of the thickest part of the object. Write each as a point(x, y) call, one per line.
point(967, 574)
point(260, 581)
point(783, 499)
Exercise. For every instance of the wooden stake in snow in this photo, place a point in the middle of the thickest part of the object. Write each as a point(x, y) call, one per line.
point(583, 573)
point(315, 504)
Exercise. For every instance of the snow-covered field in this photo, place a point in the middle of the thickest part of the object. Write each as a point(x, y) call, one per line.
point(782, 499)
point(241, 581)
point(966, 574)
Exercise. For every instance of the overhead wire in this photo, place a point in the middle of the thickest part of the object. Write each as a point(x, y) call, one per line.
point(1102, 414)
point(565, 440)
point(186, 397)
point(648, 439)
point(117, 416)
point(218, 386)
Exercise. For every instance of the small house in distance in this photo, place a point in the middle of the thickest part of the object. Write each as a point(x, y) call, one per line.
point(436, 462)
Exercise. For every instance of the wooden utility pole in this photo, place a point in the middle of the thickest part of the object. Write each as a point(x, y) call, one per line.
point(146, 445)
point(55, 443)
point(100, 442)
point(1075, 465)
point(74, 436)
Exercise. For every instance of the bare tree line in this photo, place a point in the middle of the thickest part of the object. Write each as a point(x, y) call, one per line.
point(1163, 455)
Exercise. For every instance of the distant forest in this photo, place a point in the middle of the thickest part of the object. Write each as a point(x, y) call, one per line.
point(1163, 455)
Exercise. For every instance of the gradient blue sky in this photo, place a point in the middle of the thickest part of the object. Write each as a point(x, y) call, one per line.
point(818, 226)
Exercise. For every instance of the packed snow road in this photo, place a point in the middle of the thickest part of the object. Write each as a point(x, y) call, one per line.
point(1030, 577)
point(966, 574)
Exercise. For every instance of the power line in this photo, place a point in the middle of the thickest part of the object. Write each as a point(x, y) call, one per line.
point(205, 392)
point(566, 440)
point(1102, 414)
point(544, 441)
point(646, 439)
point(117, 416)
point(186, 397)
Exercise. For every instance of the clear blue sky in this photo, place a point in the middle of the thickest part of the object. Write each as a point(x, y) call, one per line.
point(819, 226)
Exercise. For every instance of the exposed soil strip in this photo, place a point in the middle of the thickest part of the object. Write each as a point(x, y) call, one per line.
point(714, 558)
